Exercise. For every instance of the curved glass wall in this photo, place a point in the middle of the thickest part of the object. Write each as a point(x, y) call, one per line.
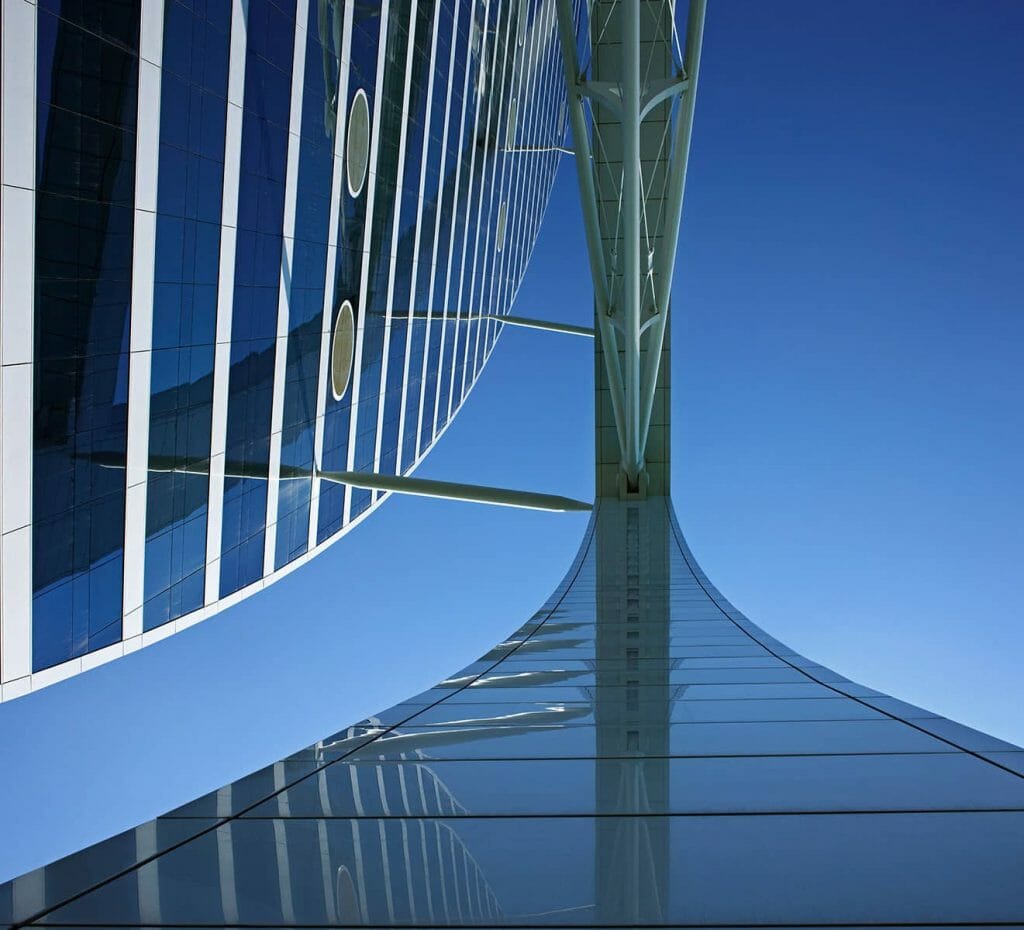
point(211, 183)
point(638, 753)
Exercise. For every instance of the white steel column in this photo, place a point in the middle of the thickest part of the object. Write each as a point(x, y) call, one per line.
point(284, 296)
point(17, 290)
point(393, 258)
point(424, 400)
point(337, 192)
point(446, 309)
point(147, 161)
point(417, 264)
point(631, 278)
point(225, 295)
point(369, 191)
point(478, 95)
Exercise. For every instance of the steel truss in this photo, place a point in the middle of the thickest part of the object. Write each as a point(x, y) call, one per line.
point(638, 77)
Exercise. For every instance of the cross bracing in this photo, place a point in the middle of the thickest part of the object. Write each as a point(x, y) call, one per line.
point(631, 69)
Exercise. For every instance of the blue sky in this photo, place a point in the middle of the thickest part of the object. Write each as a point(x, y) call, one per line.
point(848, 338)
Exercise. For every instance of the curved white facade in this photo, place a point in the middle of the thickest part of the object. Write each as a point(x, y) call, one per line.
point(187, 206)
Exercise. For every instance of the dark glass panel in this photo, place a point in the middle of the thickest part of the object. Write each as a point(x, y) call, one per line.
point(87, 75)
point(193, 106)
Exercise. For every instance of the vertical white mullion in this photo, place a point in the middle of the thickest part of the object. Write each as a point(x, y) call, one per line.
point(364, 270)
point(393, 259)
point(225, 294)
point(414, 311)
point(534, 189)
point(529, 158)
point(547, 121)
point(526, 105)
point(147, 160)
point(17, 292)
point(515, 172)
point(489, 257)
point(437, 235)
point(486, 193)
point(337, 193)
point(469, 212)
point(545, 64)
point(284, 296)
point(451, 234)
point(543, 142)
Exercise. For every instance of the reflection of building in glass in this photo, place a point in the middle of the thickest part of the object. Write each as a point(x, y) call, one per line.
point(637, 753)
point(213, 213)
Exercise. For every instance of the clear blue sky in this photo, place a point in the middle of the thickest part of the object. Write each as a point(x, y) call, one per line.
point(848, 443)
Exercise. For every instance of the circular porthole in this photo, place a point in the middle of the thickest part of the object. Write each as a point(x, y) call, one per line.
point(357, 143)
point(342, 350)
point(513, 116)
point(499, 236)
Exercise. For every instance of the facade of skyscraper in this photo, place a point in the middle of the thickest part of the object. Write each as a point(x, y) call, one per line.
point(244, 243)
point(638, 753)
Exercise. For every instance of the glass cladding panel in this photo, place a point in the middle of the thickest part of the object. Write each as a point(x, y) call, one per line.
point(487, 90)
point(307, 277)
point(779, 870)
point(623, 734)
point(362, 79)
point(445, 208)
point(752, 784)
point(407, 210)
point(581, 711)
point(87, 79)
point(460, 152)
point(268, 71)
point(386, 204)
point(516, 794)
point(193, 105)
point(78, 872)
point(423, 315)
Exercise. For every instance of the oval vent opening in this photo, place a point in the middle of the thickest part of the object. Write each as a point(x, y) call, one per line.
point(342, 350)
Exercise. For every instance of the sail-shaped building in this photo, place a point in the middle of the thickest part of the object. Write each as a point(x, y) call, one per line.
point(637, 753)
point(244, 244)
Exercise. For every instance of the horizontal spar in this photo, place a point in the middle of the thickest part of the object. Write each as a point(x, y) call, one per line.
point(399, 484)
point(548, 325)
point(524, 321)
point(450, 490)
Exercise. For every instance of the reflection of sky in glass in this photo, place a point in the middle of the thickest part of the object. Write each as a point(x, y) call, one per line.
point(612, 776)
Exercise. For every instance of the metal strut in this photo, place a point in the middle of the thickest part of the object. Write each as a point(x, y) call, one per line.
point(632, 248)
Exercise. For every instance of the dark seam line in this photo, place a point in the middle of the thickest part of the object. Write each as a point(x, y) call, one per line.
point(378, 761)
point(669, 684)
point(433, 760)
point(684, 700)
point(566, 586)
point(594, 815)
point(405, 925)
point(977, 754)
point(575, 725)
point(468, 727)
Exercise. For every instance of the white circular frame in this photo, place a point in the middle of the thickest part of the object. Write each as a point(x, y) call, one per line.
point(343, 345)
point(361, 108)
